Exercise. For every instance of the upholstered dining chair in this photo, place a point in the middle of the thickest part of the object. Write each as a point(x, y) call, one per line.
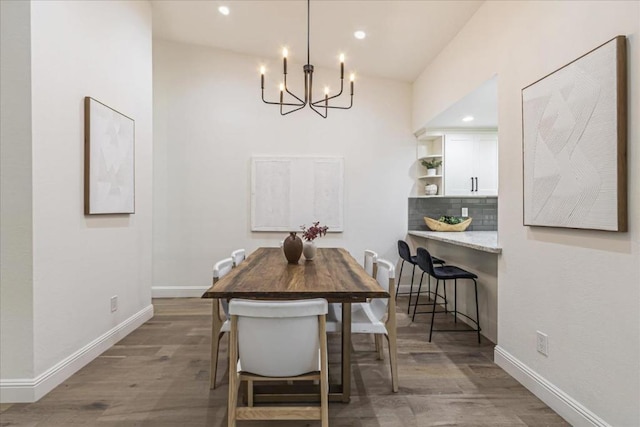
point(376, 317)
point(220, 325)
point(275, 341)
point(238, 256)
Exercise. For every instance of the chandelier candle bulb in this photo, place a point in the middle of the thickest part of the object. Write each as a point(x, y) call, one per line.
point(353, 77)
point(262, 78)
point(285, 52)
point(341, 66)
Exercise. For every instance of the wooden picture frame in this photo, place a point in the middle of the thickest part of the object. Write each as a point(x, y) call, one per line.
point(574, 131)
point(109, 153)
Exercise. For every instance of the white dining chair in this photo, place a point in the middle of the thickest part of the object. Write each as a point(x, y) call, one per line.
point(220, 318)
point(375, 317)
point(370, 265)
point(276, 341)
point(238, 256)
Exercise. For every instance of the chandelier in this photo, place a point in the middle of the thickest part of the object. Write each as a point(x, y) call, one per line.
point(321, 106)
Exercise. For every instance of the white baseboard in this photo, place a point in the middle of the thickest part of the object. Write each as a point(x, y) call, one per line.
point(566, 406)
point(178, 291)
point(25, 390)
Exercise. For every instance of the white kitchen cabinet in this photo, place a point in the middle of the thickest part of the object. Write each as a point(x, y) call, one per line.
point(471, 164)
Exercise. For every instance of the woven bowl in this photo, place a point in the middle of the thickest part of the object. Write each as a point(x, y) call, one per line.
point(436, 225)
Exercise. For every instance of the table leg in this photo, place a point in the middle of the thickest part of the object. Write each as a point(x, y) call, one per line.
point(346, 352)
point(216, 324)
point(391, 336)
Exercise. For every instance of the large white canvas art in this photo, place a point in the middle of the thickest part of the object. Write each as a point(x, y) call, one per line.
point(574, 140)
point(109, 160)
point(290, 191)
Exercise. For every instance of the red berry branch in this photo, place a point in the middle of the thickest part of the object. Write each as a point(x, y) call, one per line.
point(313, 232)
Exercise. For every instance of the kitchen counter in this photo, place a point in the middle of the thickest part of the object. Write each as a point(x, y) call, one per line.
point(474, 251)
point(486, 241)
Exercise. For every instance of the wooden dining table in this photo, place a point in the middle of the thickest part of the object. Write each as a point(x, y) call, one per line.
point(333, 274)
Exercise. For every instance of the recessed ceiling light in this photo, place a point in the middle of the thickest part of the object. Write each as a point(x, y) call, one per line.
point(223, 10)
point(467, 119)
point(359, 35)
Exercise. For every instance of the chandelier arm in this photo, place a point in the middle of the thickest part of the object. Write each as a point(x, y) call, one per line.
point(324, 116)
point(331, 97)
point(302, 102)
point(310, 92)
point(291, 111)
point(284, 103)
point(319, 102)
point(291, 93)
point(337, 107)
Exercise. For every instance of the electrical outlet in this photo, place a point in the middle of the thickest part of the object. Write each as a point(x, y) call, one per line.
point(114, 303)
point(465, 212)
point(542, 343)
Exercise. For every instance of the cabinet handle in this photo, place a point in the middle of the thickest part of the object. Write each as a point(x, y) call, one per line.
point(476, 183)
point(472, 184)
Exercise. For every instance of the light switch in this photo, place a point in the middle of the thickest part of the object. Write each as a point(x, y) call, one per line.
point(465, 212)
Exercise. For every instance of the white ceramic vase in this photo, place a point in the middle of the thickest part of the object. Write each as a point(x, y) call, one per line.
point(309, 250)
point(431, 172)
point(431, 190)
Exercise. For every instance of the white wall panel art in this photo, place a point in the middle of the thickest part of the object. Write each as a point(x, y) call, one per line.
point(574, 142)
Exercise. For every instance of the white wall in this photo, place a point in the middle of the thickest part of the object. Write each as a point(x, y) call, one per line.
point(209, 121)
point(16, 250)
point(579, 287)
point(102, 50)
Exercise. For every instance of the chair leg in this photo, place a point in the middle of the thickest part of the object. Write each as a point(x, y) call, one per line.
point(410, 290)
point(393, 359)
point(475, 285)
point(214, 362)
point(444, 291)
point(324, 375)
point(250, 393)
point(455, 301)
point(215, 345)
point(233, 374)
point(399, 277)
point(379, 346)
point(413, 273)
point(415, 306)
point(433, 311)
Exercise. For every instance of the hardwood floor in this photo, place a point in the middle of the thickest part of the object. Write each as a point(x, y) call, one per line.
point(158, 376)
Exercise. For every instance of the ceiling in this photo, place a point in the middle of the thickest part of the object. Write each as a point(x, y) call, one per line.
point(402, 36)
point(481, 104)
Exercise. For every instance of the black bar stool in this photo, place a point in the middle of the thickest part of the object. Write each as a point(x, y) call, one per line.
point(405, 254)
point(444, 273)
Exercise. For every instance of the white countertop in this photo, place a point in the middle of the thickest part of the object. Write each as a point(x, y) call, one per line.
point(486, 241)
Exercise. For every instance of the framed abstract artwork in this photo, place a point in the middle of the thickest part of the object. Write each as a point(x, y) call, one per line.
point(574, 134)
point(289, 191)
point(109, 151)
